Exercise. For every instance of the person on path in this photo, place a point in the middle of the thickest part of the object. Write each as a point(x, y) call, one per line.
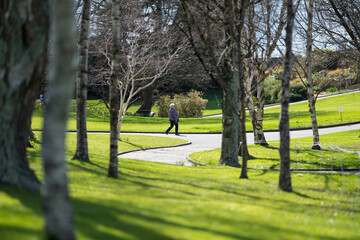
point(174, 120)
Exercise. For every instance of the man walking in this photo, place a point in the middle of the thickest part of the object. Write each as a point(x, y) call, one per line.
point(174, 119)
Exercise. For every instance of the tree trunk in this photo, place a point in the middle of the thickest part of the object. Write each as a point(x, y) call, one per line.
point(259, 137)
point(148, 99)
point(114, 91)
point(82, 153)
point(230, 94)
point(55, 195)
point(310, 89)
point(243, 149)
point(285, 176)
point(23, 44)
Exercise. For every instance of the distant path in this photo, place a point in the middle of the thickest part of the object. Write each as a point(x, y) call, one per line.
point(202, 142)
point(278, 105)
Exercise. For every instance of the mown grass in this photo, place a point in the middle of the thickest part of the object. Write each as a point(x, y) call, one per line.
point(327, 114)
point(301, 155)
point(159, 201)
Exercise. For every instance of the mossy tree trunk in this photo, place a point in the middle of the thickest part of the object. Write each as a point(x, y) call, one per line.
point(82, 152)
point(55, 195)
point(23, 48)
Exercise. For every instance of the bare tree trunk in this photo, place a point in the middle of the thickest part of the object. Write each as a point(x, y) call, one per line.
point(230, 93)
point(55, 195)
point(243, 149)
point(310, 89)
point(259, 129)
point(114, 91)
point(23, 48)
point(82, 152)
point(285, 176)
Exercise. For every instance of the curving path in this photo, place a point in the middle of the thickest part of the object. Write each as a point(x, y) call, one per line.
point(202, 142)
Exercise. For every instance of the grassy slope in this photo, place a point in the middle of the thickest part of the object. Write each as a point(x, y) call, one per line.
point(158, 201)
point(301, 155)
point(327, 113)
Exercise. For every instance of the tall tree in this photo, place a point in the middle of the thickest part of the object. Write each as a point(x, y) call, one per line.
point(82, 152)
point(114, 91)
point(211, 30)
point(62, 72)
point(23, 48)
point(243, 150)
point(264, 32)
point(285, 176)
point(309, 4)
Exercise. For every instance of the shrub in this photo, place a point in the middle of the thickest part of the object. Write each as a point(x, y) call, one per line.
point(272, 88)
point(187, 105)
point(298, 92)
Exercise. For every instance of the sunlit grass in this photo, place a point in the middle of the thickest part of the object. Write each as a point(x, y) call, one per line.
point(327, 114)
point(301, 155)
point(159, 201)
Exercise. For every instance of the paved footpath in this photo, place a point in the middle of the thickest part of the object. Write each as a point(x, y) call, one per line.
point(202, 142)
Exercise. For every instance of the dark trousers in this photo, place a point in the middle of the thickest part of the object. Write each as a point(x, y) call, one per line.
point(172, 123)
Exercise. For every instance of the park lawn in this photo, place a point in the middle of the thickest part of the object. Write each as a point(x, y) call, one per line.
point(327, 114)
point(301, 155)
point(159, 201)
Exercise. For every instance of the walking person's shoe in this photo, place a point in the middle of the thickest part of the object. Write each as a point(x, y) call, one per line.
point(166, 133)
point(177, 134)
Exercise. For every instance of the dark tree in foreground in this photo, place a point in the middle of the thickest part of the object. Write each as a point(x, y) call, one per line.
point(82, 152)
point(114, 90)
point(23, 49)
point(285, 176)
point(56, 200)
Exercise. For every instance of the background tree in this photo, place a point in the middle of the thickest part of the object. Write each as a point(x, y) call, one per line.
point(265, 23)
point(23, 49)
point(285, 176)
point(82, 152)
point(309, 5)
point(209, 27)
point(55, 195)
point(114, 91)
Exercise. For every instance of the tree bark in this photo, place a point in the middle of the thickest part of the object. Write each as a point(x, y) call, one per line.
point(56, 201)
point(259, 129)
point(310, 88)
point(285, 176)
point(23, 49)
point(82, 152)
point(114, 91)
point(243, 149)
point(230, 93)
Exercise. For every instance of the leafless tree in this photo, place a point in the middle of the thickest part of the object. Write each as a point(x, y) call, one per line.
point(55, 194)
point(211, 28)
point(285, 176)
point(82, 152)
point(114, 91)
point(265, 23)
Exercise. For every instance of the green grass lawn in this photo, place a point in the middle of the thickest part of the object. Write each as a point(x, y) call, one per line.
point(159, 201)
point(327, 114)
point(265, 157)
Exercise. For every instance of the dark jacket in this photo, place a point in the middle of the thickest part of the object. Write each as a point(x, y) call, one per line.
point(173, 116)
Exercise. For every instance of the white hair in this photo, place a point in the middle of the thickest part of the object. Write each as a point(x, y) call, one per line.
point(172, 104)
